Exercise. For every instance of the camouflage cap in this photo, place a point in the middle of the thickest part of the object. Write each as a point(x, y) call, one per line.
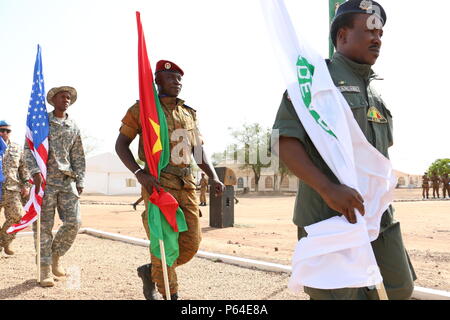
point(54, 91)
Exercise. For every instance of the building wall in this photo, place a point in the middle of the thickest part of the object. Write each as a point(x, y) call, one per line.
point(265, 183)
point(112, 183)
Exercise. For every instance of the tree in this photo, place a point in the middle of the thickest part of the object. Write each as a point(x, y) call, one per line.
point(251, 150)
point(440, 167)
point(283, 171)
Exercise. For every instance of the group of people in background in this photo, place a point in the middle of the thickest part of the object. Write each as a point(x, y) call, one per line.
point(436, 182)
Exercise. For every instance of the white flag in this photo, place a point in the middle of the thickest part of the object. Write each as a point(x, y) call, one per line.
point(335, 254)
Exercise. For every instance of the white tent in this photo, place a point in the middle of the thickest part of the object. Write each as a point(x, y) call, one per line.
point(106, 174)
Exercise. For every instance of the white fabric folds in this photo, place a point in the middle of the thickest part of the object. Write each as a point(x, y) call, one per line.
point(335, 254)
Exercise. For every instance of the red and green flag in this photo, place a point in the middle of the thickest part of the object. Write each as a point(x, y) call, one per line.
point(165, 218)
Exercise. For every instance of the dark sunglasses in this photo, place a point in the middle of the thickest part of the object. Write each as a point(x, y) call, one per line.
point(5, 130)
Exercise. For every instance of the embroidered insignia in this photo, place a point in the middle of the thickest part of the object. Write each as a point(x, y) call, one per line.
point(167, 66)
point(349, 89)
point(375, 116)
point(341, 83)
point(365, 5)
point(336, 7)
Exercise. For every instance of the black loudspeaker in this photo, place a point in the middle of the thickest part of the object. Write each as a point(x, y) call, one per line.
point(221, 209)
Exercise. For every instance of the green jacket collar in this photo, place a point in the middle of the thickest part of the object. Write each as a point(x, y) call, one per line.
point(362, 70)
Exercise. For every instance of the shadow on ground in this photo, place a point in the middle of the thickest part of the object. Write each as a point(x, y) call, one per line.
point(17, 290)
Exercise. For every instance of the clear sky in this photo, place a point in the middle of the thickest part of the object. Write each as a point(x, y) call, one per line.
point(231, 76)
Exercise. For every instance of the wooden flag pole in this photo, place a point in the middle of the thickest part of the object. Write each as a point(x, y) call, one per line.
point(164, 265)
point(381, 290)
point(38, 248)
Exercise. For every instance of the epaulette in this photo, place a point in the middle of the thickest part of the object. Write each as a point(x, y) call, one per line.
point(185, 105)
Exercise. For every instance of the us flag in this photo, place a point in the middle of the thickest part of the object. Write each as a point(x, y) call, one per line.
point(37, 139)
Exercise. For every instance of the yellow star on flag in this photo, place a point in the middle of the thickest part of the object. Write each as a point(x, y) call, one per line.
point(157, 146)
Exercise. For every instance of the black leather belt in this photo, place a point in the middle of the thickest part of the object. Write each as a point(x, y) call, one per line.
point(177, 171)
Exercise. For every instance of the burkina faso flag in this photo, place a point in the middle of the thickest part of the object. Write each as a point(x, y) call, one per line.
point(165, 217)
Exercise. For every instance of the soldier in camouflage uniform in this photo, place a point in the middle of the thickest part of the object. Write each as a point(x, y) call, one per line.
point(15, 186)
point(203, 189)
point(425, 186)
point(65, 174)
point(445, 185)
point(176, 178)
point(435, 181)
point(320, 195)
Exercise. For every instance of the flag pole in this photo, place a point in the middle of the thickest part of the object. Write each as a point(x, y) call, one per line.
point(381, 290)
point(164, 265)
point(334, 4)
point(38, 248)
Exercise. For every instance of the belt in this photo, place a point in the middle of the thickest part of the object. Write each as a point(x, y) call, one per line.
point(177, 171)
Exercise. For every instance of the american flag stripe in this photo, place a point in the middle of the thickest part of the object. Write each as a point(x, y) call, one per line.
point(36, 135)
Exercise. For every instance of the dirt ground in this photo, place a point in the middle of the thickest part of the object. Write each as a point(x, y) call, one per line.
point(263, 230)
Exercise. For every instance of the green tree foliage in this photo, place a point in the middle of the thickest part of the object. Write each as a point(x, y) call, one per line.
point(440, 167)
point(251, 149)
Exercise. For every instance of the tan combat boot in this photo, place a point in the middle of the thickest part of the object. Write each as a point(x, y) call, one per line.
point(46, 277)
point(8, 250)
point(56, 267)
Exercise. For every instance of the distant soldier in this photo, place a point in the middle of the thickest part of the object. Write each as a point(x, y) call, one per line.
point(15, 186)
point(203, 189)
point(445, 185)
point(66, 168)
point(425, 185)
point(435, 184)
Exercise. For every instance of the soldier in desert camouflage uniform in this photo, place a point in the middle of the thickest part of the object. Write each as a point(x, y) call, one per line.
point(14, 188)
point(176, 178)
point(445, 185)
point(203, 189)
point(65, 174)
point(435, 184)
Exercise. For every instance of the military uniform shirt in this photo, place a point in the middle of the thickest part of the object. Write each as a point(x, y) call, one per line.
point(66, 160)
point(14, 169)
point(372, 116)
point(178, 116)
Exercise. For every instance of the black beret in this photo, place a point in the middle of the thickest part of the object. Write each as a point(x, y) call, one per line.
point(361, 6)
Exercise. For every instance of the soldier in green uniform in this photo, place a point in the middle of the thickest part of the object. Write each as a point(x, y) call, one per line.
point(176, 178)
point(435, 181)
point(66, 168)
point(15, 186)
point(425, 185)
point(320, 195)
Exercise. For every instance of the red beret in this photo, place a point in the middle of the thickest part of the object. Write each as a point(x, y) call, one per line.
point(165, 65)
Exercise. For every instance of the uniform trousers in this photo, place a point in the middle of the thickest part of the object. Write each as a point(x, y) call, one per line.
point(12, 206)
point(66, 200)
point(188, 241)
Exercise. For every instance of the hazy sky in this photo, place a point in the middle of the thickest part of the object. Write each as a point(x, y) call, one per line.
point(231, 76)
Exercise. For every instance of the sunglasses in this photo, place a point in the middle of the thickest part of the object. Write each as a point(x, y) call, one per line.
point(5, 130)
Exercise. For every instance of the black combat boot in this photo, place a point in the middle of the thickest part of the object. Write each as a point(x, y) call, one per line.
point(173, 296)
point(149, 288)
